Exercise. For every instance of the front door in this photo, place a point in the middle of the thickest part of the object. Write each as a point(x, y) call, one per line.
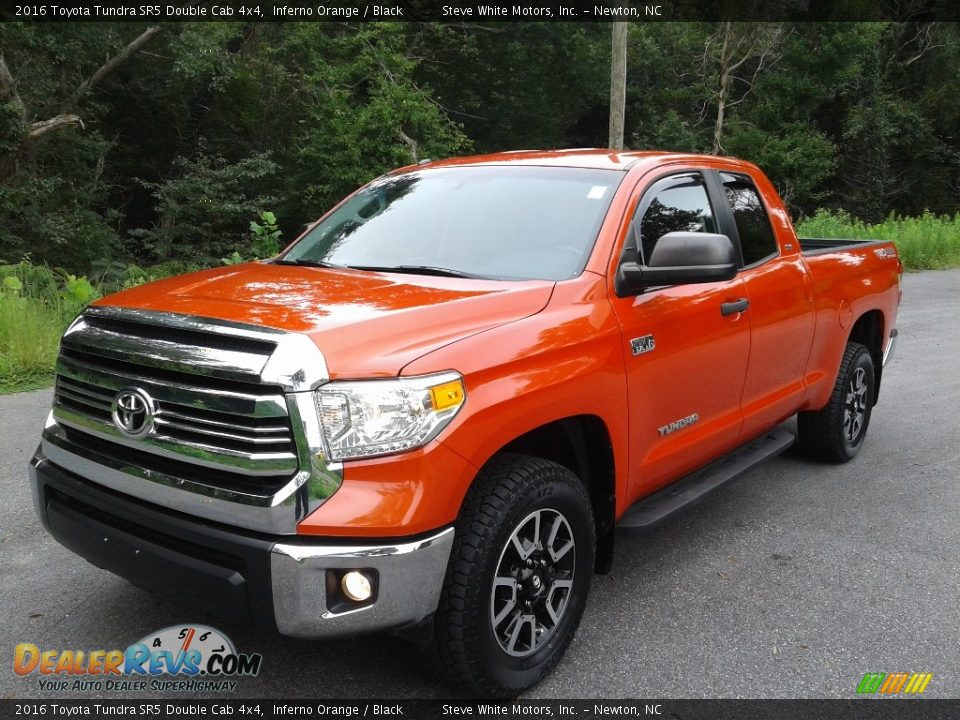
point(686, 354)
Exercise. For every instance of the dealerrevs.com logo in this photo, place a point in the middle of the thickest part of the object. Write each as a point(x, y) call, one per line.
point(199, 658)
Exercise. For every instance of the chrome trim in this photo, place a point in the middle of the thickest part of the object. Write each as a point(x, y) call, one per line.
point(195, 453)
point(38, 457)
point(258, 432)
point(195, 396)
point(409, 579)
point(644, 344)
point(85, 399)
point(99, 399)
point(164, 354)
point(274, 514)
point(125, 405)
point(295, 364)
point(259, 439)
point(318, 477)
point(891, 347)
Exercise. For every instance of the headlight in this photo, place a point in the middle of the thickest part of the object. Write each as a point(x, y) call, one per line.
point(379, 417)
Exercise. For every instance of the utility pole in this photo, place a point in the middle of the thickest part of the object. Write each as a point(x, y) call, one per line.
point(618, 83)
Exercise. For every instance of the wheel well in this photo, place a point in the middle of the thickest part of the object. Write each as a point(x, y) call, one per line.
point(868, 331)
point(581, 444)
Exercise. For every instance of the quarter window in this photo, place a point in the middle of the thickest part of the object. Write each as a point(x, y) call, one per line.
point(679, 204)
point(753, 225)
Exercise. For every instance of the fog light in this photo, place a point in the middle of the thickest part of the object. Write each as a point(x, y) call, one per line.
point(356, 586)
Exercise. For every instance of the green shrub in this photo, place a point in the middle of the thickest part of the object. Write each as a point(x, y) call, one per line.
point(925, 242)
point(36, 305)
point(264, 241)
point(204, 209)
point(266, 235)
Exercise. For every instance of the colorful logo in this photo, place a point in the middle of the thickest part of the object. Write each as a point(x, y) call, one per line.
point(893, 683)
point(190, 650)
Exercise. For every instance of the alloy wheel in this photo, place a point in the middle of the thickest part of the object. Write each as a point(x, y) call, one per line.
point(532, 582)
point(855, 408)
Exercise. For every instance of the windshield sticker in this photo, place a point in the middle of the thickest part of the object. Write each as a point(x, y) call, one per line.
point(597, 192)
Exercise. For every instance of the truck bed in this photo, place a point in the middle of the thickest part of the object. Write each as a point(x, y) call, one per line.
point(816, 246)
point(849, 279)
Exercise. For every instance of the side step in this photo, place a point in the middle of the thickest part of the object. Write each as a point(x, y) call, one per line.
point(658, 507)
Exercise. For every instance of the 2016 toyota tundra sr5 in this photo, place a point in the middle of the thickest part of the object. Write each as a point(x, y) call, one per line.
point(431, 411)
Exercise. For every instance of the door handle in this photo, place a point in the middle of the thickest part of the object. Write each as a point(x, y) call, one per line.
point(729, 308)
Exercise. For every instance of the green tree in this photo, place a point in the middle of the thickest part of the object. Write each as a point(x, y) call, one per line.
point(204, 209)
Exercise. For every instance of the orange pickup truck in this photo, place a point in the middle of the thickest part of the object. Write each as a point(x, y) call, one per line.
point(429, 414)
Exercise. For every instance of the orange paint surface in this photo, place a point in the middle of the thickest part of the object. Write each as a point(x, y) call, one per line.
point(533, 352)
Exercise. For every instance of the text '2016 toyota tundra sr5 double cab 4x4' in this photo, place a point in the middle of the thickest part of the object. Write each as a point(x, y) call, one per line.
point(429, 414)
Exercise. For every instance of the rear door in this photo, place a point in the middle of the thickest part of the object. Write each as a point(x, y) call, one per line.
point(781, 303)
point(686, 361)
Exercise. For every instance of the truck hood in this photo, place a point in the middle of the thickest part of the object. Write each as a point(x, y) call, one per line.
point(366, 324)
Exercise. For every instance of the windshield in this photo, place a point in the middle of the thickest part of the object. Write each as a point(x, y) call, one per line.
point(514, 223)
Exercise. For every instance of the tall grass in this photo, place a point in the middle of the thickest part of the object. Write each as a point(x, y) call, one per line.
point(925, 242)
point(29, 335)
point(36, 305)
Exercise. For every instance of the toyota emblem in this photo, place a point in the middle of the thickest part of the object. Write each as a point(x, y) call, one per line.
point(132, 412)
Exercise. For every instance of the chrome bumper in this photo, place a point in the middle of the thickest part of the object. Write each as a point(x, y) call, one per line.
point(891, 347)
point(410, 576)
point(280, 581)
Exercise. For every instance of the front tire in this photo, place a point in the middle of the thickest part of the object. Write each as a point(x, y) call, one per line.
point(518, 577)
point(836, 433)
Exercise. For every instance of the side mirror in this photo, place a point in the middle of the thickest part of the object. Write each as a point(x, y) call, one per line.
point(680, 258)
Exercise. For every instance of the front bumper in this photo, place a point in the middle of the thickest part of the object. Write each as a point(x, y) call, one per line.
point(283, 582)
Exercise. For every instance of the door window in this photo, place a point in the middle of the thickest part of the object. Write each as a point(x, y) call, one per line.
point(677, 204)
point(756, 236)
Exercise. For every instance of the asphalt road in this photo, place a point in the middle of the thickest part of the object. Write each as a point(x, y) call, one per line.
point(792, 582)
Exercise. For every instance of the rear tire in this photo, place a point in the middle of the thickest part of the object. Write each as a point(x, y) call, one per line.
point(518, 577)
point(836, 433)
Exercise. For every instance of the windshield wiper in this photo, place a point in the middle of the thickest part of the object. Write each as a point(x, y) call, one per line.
point(305, 262)
point(416, 270)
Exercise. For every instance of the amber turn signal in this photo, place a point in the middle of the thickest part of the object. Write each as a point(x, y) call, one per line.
point(447, 395)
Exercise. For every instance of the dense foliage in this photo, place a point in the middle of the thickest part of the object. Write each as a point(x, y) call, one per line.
point(121, 143)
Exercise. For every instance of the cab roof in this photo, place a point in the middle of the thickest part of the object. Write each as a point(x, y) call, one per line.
point(597, 158)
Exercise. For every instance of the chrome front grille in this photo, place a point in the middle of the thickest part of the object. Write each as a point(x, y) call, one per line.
point(212, 414)
point(232, 432)
point(258, 438)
